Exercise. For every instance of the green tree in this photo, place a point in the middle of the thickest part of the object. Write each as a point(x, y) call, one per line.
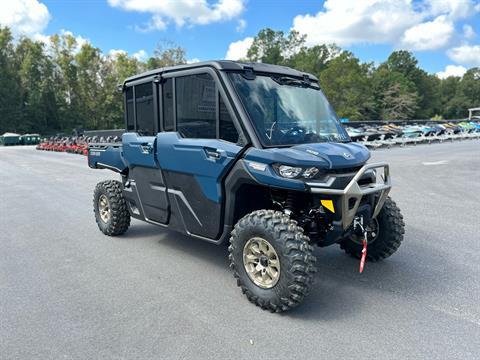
point(66, 82)
point(459, 94)
point(90, 86)
point(386, 82)
point(346, 84)
point(166, 54)
point(114, 71)
point(425, 86)
point(397, 103)
point(10, 100)
point(274, 47)
point(35, 72)
point(313, 59)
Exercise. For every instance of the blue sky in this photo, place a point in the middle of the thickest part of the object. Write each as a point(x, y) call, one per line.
point(443, 34)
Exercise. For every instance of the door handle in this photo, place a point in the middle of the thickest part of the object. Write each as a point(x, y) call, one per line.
point(213, 153)
point(146, 148)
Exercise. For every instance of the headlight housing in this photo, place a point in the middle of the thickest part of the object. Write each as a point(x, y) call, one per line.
point(289, 172)
point(294, 172)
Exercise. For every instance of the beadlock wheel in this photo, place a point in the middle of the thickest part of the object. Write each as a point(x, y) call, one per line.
point(260, 242)
point(104, 208)
point(110, 208)
point(261, 262)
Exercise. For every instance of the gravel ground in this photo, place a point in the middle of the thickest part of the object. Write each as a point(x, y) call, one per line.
point(69, 292)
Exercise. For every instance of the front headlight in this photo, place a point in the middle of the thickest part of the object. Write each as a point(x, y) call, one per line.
point(289, 172)
point(292, 172)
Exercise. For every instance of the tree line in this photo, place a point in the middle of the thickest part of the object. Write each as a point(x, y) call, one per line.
point(61, 86)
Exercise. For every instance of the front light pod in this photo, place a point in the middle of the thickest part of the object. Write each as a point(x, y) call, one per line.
point(310, 172)
point(289, 172)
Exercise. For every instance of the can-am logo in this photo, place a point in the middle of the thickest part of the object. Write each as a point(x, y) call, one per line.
point(347, 155)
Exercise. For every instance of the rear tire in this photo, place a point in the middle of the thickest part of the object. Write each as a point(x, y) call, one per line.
point(292, 254)
point(110, 208)
point(390, 235)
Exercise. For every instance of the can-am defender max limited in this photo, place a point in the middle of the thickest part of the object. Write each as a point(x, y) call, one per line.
point(252, 155)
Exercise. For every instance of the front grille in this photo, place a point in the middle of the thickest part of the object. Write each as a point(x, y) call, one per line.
point(344, 170)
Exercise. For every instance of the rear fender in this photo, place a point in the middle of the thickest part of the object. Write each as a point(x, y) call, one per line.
point(106, 156)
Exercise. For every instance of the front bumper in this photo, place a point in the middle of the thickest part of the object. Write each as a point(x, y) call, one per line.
point(352, 194)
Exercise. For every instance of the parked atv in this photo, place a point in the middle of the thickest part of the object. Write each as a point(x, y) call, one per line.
point(251, 155)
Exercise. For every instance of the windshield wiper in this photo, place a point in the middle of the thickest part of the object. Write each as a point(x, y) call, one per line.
point(285, 80)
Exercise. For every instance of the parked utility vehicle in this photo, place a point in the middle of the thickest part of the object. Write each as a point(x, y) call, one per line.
point(252, 155)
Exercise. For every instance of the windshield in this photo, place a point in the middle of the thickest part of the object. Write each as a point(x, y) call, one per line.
point(287, 111)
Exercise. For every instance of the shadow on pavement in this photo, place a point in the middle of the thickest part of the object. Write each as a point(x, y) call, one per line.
point(339, 290)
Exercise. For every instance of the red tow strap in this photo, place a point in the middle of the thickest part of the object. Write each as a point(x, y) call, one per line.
point(364, 255)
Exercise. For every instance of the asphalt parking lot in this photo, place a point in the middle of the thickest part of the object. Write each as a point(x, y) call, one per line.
point(69, 292)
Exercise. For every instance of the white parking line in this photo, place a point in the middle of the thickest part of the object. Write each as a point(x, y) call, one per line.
point(433, 163)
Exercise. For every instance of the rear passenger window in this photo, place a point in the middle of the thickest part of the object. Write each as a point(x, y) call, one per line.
point(228, 132)
point(129, 110)
point(144, 107)
point(196, 106)
point(167, 96)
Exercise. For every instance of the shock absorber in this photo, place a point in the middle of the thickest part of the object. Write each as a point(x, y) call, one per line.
point(292, 202)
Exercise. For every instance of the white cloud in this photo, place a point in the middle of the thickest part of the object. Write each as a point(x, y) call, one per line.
point(181, 12)
point(452, 70)
point(140, 55)
point(455, 9)
point(242, 24)
point(397, 22)
point(193, 61)
point(350, 21)
point(24, 17)
point(42, 38)
point(155, 23)
point(429, 35)
point(238, 49)
point(468, 55)
point(468, 32)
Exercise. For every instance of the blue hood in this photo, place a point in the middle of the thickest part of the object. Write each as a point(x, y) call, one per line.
point(322, 155)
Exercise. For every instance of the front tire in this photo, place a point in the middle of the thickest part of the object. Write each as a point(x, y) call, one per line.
point(389, 238)
point(272, 260)
point(110, 208)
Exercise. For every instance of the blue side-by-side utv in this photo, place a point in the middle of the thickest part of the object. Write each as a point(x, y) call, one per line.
point(251, 155)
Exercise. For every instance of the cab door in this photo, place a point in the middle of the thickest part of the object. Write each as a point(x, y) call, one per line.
point(147, 188)
point(197, 151)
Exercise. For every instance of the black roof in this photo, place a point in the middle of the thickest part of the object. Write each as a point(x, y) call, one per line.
point(225, 65)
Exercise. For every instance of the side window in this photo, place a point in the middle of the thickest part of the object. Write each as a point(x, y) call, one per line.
point(228, 132)
point(196, 106)
point(168, 105)
point(144, 106)
point(129, 110)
